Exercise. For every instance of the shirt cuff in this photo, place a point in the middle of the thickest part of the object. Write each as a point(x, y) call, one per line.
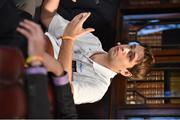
point(36, 70)
point(59, 81)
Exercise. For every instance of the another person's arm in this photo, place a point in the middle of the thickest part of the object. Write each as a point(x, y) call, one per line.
point(36, 79)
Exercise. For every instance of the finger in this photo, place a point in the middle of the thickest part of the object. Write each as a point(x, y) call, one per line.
point(24, 32)
point(84, 18)
point(87, 30)
point(76, 19)
point(31, 23)
point(32, 26)
point(26, 26)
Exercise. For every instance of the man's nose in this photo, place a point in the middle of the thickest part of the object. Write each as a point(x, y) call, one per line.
point(126, 50)
point(118, 43)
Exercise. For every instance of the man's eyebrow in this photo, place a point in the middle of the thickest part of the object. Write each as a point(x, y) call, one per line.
point(132, 56)
point(133, 46)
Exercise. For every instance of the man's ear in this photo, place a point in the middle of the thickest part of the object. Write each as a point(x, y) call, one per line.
point(125, 73)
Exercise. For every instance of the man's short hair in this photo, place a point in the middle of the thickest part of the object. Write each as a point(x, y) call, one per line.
point(140, 70)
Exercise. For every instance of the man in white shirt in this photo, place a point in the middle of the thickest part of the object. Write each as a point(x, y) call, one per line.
point(95, 67)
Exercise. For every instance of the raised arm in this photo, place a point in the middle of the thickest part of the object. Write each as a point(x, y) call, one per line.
point(73, 30)
point(49, 8)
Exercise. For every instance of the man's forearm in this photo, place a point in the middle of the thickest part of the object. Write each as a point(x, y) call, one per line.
point(49, 9)
point(65, 56)
point(72, 31)
point(51, 5)
point(52, 65)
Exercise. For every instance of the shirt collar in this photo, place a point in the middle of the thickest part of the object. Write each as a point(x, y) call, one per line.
point(105, 72)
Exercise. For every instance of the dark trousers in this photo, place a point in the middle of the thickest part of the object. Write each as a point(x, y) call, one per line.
point(38, 102)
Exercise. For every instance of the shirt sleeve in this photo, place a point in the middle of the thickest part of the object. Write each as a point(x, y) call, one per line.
point(57, 26)
point(65, 107)
point(36, 86)
point(88, 91)
point(36, 70)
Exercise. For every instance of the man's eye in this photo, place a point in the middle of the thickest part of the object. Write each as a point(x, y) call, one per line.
point(132, 46)
point(131, 55)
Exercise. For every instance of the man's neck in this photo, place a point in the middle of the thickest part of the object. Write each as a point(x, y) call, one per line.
point(101, 58)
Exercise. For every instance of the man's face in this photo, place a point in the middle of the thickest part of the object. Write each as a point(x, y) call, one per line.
point(125, 56)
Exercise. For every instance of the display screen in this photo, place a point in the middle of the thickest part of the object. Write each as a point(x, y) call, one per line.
point(154, 118)
point(157, 28)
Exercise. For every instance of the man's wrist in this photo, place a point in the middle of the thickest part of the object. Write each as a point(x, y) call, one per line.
point(36, 63)
point(34, 60)
point(69, 42)
point(60, 80)
point(67, 38)
point(59, 72)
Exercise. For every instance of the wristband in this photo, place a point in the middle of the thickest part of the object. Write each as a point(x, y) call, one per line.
point(66, 38)
point(61, 80)
point(30, 59)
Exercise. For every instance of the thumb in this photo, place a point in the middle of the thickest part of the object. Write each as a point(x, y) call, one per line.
point(85, 31)
point(88, 30)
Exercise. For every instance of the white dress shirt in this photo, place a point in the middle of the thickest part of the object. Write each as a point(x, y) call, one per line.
point(91, 80)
